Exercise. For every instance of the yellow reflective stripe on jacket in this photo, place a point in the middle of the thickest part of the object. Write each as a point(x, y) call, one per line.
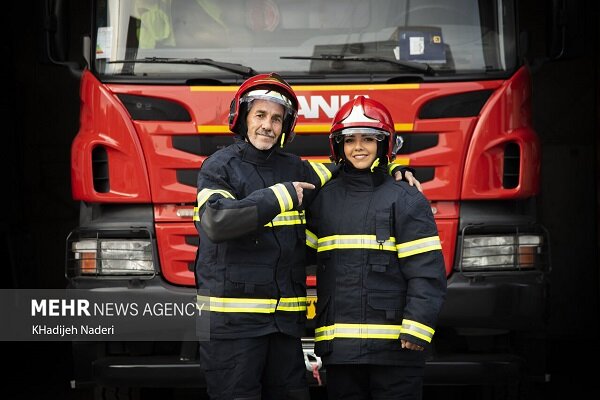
point(204, 195)
point(245, 305)
point(355, 242)
point(292, 304)
point(419, 246)
point(232, 304)
point(311, 239)
point(283, 197)
point(288, 218)
point(417, 329)
point(357, 331)
point(322, 171)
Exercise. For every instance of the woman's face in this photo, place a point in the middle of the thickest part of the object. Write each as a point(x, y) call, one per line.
point(360, 150)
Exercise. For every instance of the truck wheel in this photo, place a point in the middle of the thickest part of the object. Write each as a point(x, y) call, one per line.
point(116, 393)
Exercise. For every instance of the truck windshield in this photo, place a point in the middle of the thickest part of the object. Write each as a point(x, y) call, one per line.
point(374, 39)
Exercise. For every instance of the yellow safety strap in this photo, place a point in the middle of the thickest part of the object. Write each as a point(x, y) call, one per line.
point(292, 304)
point(246, 305)
point(405, 249)
point(357, 331)
point(355, 242)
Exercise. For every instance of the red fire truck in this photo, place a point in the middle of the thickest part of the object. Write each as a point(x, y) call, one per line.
point(155, 97)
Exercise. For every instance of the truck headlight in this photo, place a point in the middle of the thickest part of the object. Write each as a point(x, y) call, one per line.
point(501, 252)
point(112, 257)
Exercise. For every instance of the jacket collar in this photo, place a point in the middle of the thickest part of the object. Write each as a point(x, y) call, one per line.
point(252, 155)
point(362, 180)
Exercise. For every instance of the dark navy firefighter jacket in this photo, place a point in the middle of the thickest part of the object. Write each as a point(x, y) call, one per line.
point(250, 266)
point(380, 269)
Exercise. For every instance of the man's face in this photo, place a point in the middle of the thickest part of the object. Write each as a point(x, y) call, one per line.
point(265, 122)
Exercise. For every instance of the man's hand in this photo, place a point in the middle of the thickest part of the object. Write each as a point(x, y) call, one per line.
point(409, 177)
point(411, 346)
point(300, 186)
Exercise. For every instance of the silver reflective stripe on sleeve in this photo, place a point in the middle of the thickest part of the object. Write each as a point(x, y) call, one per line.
point(417, 329)
point(288, 218)
point(322, 171)
point(311, 239)
point(419, 246)
point(283, 197)
point(204, 195)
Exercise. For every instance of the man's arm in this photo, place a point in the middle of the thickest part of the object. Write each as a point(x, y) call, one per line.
point(223, 216)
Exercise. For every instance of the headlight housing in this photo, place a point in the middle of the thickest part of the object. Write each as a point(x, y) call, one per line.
point(503, 251)
point(106, 254)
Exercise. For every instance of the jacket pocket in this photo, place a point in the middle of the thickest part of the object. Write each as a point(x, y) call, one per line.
point(249, 280)
point(386, 308)
point(383, 272)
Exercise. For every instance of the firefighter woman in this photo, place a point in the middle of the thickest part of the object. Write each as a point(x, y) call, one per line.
point(380, 272)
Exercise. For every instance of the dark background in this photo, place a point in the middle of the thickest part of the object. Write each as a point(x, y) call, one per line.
point(39, 111)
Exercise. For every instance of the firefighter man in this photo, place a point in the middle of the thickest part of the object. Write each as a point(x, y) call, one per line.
point(251, 253)
point(381, 278)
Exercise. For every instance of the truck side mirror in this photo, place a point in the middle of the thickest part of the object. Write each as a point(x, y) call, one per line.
point(55, 35)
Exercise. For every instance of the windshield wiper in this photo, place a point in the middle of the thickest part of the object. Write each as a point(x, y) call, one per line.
point(415, 66)
point(235, 68)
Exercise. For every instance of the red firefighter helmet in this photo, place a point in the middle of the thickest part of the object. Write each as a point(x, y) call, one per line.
point(271, 87)
point(368, 117)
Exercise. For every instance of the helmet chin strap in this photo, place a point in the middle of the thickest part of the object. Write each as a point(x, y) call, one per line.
point(375, 164)
point(281, 142)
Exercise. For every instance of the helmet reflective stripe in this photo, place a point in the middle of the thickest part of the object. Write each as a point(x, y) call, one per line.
point(269, 95)
point(283, 197)
point(378, 134)
point(417, 329)
point(357, 331)
point(358, 115)
point(419, 246)
point(355, 242)
point(287, 218)
point(322, 171)
point(204, 195)
point(292, 304)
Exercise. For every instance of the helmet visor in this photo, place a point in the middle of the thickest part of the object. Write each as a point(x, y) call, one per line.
point(377, 134)
point(269, 95)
